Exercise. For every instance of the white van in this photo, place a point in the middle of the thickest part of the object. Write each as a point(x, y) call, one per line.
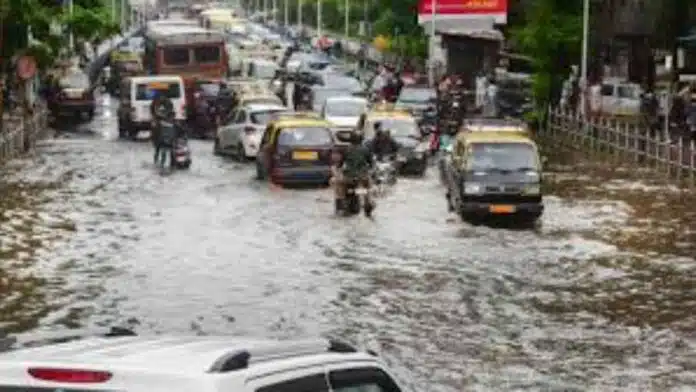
point(136, 97)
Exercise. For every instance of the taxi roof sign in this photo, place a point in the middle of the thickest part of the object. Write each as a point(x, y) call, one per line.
point(158, 85)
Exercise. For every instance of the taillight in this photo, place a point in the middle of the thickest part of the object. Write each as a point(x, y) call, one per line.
point(249, 130)
point(70, 375)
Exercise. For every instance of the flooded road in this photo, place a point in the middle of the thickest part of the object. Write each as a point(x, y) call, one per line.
point(98, 237)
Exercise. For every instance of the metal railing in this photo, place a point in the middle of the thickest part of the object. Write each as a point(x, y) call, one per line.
point(21, 134)
point(623, 142)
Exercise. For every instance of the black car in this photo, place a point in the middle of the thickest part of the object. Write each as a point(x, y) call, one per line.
point(416, 99)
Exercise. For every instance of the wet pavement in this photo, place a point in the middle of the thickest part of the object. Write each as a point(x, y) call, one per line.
point(93, 235)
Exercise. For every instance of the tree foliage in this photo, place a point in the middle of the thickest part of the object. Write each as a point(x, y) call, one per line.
point(41, 20)
point(397, 20)
point(551, 36)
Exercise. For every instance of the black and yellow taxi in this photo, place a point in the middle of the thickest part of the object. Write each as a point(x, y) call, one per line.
point(403, 127)
point(495, 173)
point(296, 149)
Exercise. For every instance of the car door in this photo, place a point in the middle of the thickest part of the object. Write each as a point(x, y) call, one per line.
point(235, 130)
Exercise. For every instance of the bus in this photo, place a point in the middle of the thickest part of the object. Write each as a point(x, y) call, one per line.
point(188, 51)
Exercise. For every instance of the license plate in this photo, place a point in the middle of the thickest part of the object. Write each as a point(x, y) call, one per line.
point(181, 158)
point(502, 209)
point(361, 191)
point(305, 155)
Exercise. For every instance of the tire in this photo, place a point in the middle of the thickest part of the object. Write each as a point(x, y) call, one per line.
point(241, 153)
point(90, 114)
point(216, 147)
point(259, 173)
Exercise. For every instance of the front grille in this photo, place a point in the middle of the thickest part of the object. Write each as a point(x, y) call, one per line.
point(503, 198)
point(503, 189)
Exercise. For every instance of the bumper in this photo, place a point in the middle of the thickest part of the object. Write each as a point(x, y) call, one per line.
point(74, 107)
point(482, 209)
point(301, 175)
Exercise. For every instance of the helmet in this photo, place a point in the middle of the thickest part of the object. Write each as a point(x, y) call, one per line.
point(378, 127)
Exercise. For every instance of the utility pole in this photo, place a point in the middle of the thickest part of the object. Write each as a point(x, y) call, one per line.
point(431, 47)
point(275, 10)
point(123, 16)
point(585, 49)
point(299, 13)
point(347, 27)
point(71, 39)
point(319, 29)
point(286, 13)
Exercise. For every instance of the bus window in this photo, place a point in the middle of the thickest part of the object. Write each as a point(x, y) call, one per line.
point(176, 56)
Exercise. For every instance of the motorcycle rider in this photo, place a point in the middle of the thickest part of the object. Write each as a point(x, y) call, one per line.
point(355, 167)
point(159, 108)
point(382, 144)
point(169, 133)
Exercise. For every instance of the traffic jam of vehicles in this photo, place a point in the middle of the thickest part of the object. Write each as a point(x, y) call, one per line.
point(261, 95)
point(293, 112)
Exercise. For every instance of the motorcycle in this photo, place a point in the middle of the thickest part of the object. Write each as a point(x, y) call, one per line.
point(357, 199)
point(181, 154)
point(384, 174)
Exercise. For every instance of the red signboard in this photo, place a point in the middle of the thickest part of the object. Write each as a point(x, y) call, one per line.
point(464, 9)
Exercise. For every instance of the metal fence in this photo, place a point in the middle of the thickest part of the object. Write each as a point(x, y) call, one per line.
point(21, 134)
point(623, 142)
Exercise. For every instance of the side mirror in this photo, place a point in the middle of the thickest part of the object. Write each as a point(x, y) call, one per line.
point(345, 138)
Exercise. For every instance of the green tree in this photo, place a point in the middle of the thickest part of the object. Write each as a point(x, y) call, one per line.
point(551, 36)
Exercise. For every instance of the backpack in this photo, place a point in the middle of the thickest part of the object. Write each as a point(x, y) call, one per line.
point(355, 162)
point(167, 134)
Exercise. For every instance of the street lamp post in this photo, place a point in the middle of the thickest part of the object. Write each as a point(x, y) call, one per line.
point(319, 29)
point(71, 39)
point(299, 13)
point(585, 48)
point(286, 16)
point(431, 47)
point(347, 27)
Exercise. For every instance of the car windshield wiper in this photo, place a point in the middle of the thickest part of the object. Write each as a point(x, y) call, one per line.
point(527, 169)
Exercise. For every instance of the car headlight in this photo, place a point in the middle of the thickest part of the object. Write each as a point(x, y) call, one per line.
point(472, 188)
point(532, 190)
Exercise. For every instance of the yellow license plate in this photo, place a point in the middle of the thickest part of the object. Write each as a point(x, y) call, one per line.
point(501, 209)
point(305, 155)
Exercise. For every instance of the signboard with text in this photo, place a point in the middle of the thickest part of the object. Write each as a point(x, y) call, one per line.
point(495, 10)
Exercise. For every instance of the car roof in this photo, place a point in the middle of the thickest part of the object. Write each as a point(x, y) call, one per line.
point(389, 114)
point(183, 355)
point(289, 122)
point(347, 98)
point(262, 107)
point(496, 137)
point(163, 78)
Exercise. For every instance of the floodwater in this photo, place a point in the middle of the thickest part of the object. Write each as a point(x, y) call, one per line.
point(95, 236)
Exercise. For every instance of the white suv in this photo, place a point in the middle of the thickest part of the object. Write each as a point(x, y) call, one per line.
point(118, 360)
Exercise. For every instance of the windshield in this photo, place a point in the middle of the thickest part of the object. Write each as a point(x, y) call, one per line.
point(342, 82)
point(397, 127)
point(416, 95)
point(314, 136)
point(502, 156)
point(345, 108)
point(75, 80)
point(321, 95)
point(209, 89)
point(147, 91)
point(263, 118)
point(262, 70)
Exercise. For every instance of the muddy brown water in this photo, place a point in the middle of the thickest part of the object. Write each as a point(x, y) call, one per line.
point(587, 301)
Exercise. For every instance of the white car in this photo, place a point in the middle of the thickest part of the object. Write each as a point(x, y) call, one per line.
point(118, 360)
point(242, 137)
point(344, 112)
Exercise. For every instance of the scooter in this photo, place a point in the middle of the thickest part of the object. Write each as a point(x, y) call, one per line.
point(384, 174)
point(181, 154)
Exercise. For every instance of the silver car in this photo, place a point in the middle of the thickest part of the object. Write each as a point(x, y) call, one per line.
point(242, 137)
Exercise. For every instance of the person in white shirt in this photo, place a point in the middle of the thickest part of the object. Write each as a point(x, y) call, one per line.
point(491, 102)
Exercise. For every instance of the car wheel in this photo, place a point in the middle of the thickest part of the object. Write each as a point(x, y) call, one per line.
point(216, 147)
point(259, 173)
point(90, 114)
point(241, 153)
